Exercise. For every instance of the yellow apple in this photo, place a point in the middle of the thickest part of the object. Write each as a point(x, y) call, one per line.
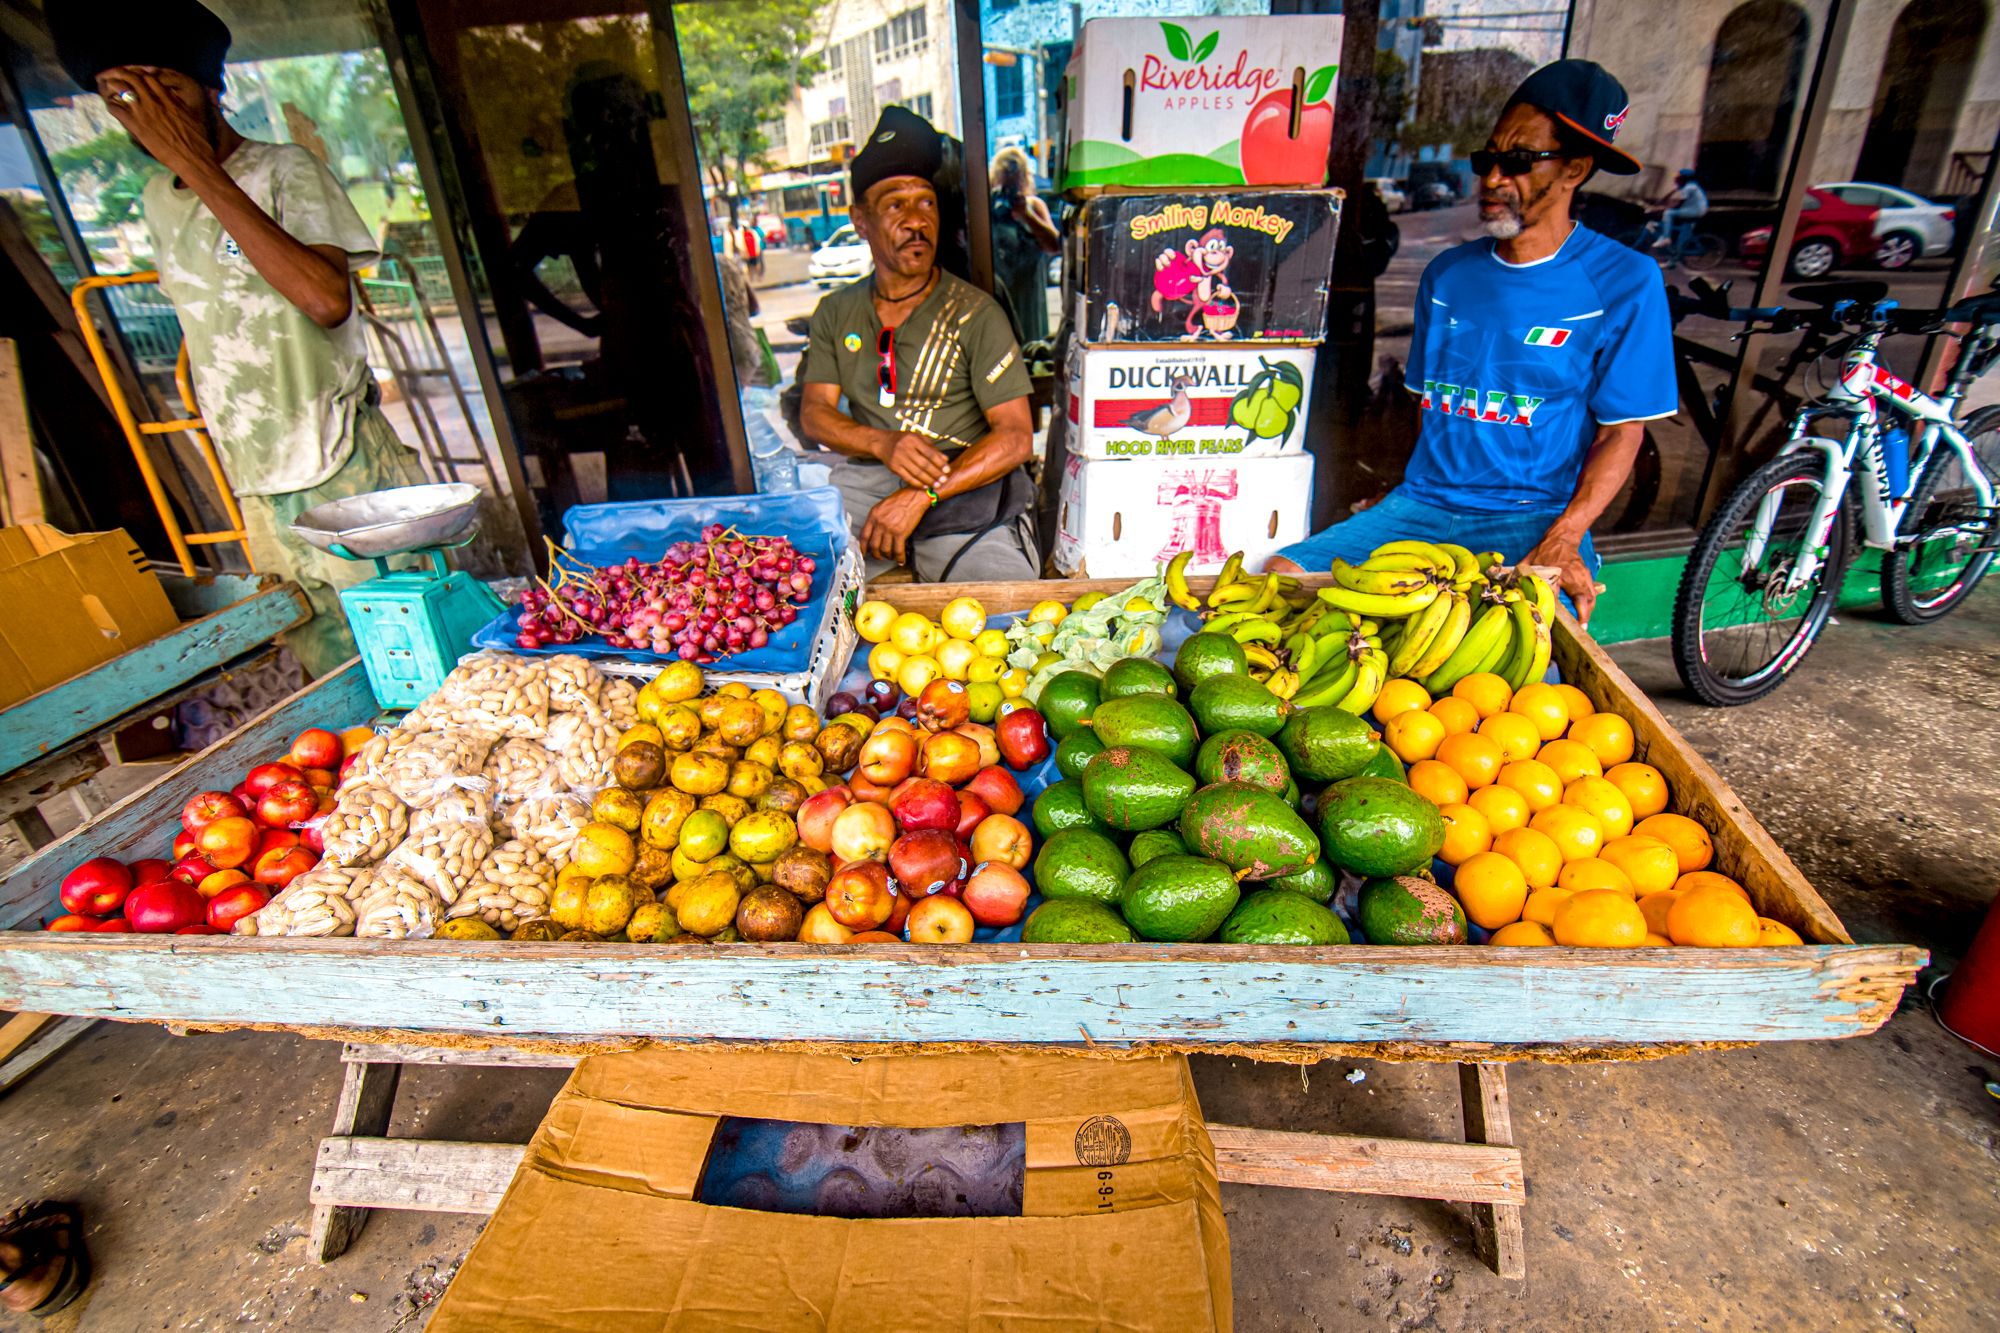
point(991, 643)
point(1014, 683)
point(885, 660)
point(1050, 612)
point(954, 656)
point(914, 634)
point(916, 672)
point(963, 617)
point(986, 669)
point(873, 620)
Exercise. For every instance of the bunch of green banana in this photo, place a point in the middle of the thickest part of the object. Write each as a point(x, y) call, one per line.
point(1267, 408)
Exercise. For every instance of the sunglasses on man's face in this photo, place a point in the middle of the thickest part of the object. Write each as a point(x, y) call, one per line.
point(1512, 162)
point(885, 369)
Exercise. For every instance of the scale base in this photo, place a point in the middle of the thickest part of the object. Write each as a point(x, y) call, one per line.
point(412, 627)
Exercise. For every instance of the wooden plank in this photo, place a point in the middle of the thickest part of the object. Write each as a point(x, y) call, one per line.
point(205, 594)
point(50, 1042)
point(140, 825)
point(426, 1175)
point(20, 479)
point(19, 1030)
point(1496, 1226)
point(58, 715)
point(495, 1057)
point(1028, 994)
point(45, 779)
point(1356, 1164)
point(367, 1098)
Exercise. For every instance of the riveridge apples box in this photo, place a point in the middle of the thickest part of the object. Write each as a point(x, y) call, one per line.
point(1172, 405)
point(80, 600)
point(1120, 518)
point(1211, 101)
point(1113, 1219)
point(1205, 266)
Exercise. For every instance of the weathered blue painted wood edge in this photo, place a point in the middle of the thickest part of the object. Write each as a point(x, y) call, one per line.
point(81, 704)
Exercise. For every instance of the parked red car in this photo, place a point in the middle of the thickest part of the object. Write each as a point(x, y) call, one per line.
point(1831, 233)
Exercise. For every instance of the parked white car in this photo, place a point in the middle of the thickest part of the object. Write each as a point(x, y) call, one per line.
point(843, 258)
point(1392, 194)
point(1910, 226)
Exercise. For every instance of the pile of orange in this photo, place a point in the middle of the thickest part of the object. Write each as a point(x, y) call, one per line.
point(1554, 833)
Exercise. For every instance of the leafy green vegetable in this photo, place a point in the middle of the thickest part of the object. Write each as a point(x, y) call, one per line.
point(1093, 639)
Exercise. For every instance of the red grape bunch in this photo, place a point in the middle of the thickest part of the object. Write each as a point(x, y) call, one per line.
point(701, 600)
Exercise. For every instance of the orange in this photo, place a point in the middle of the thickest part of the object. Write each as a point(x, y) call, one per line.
point(1505, 809)
point(1575, 831)
point(1542, 904)
point(1608, 734)
point(1690, 841)
point(1413, 735)
point(1466, 834)
point(1654, 907)
point(1575, 700)
point(1437, 783)
point(1591, 873)
point(1535, 780)
point(1400, 696)
point(1536, 853)
point(1696, 879)
point(1491, 889)
point(1771, 934)
point(1644, 786)
point(1514, 734)
point(1484, 691)
point(1647, 861)
point(1655, 940)
point(1456, 714)
point(1600, 919)
point(1605, 801)
point(1522, 934)
point(1712, 917)
point(1473, 757)
point(1542, 705)
point(1571, 760)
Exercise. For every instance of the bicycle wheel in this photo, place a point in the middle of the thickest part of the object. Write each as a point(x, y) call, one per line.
point(1738, 631)
point(1950, 538)
point(1703, 252)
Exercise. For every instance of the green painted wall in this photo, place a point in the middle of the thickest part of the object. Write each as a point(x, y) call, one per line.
point(1638, 599)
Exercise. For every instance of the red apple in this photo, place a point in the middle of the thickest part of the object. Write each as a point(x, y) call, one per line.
point(286, 804)
point(207, 807)
point(887, 757)
point(1023, 738)
point(221, 881)
point(941, 920)
point(972, 808)
point(925, 862)
point(996, 786)
point(151, 870)
point(859, 896)
point(347, 766)
point(159, 909)
point(899, 913)
point(863, 832)
point(876, 937)
point(996, 894)
point(982, 736)
point(276, 837)
point(183, 844)
point(943, 705)
point(228, 842)
point(117, 925)
point(819, 927)
point(97, 887)
point(925, 803)
point(1271, 154)
point(894, 723)
point(310, 835)
point(321, 777)
point(316, 747)
point(862, 789)
point(949, 757)
point(225, 909)
point(192, 868)
point(241, 795)
point(281, 865)
point(72, 921)
point(1002, 838)
point(816, 816)
point(199, 928)
point(266, 776)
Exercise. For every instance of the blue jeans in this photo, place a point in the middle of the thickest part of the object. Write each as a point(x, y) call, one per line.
point(1673, 223)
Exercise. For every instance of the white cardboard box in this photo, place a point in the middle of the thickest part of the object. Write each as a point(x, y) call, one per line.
point(1120, 518)
point(1171, 403)
point(1211, 101)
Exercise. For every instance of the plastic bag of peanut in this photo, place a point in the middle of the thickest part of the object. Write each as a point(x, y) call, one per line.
point(447, 841)
point(368, 822)
point(494, 692)
point(574, 684)
point(513, 885)
point(584, 743)
point(549, 824)
point(317, 903)
point(621, 702)
point(370, 758)
point(435, 763)
point(397, 906)
point(519, 769)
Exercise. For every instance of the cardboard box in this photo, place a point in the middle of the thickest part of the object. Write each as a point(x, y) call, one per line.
point(79, 601)
point(1211, 102)
point(1120, 1222)
point(1195, 267)
point(1119, 517)
point(1173, 404)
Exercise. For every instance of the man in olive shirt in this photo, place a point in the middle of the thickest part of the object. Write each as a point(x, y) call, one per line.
point(936, 427)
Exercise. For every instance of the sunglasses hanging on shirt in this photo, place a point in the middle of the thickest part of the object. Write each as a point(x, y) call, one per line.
point(885, 370)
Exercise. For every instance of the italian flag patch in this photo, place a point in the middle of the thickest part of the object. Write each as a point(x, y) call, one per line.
point(1541, 337)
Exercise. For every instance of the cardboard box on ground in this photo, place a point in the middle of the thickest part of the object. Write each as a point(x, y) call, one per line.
point(1120, 1219)
point(80, 600)
point(1120, 518)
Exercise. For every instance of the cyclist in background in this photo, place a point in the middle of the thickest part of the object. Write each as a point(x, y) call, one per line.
point(1678, 210)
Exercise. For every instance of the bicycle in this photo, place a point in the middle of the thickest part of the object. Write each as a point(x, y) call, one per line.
point(1766, 570)
point(1695, 251)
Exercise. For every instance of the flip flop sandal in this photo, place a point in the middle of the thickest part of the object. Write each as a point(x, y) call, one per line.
point(46, 1231)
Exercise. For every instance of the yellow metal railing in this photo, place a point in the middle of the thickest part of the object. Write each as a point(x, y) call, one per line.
point(136, 430)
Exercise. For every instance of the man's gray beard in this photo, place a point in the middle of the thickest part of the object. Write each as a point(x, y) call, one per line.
point(1504, 228)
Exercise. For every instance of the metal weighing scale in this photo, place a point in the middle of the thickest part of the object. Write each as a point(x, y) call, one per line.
point(412, 625)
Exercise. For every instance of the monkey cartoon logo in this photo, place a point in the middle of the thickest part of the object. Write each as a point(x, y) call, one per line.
point(1198, 274)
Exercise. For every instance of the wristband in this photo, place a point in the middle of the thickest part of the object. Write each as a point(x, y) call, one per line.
point(932, 492)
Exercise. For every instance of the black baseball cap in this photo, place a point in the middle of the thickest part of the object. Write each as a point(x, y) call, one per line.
point(1583, 95)
point(182, 35)
point(902, 144)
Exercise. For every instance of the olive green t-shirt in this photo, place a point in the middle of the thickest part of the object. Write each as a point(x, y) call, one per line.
point(955, 357)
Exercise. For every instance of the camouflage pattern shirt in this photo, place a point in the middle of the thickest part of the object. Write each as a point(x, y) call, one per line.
point(278, 391)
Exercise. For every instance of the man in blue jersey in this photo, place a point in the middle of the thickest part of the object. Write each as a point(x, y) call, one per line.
point(1538, 353)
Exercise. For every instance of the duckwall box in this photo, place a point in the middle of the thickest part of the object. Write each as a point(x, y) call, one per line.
point(1169, 406)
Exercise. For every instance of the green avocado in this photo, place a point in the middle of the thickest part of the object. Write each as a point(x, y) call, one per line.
point(1081, 863)
point(1250, 830)
point(1147, 722)
point(1137, 675)
point(1326, 744)
point(1179, 898)
point(1377, 826)
point(1155, 842)
point(1317, 881)
point(1132, 789)
point(1077, 749)
point(1205, 654)
point(1384, 765)
point(1241, 756)
point(1060, 806)
point(1277, 916)
point(1407, 910)
point(1067, 701)
point(1075, 921)
point(1237, 703)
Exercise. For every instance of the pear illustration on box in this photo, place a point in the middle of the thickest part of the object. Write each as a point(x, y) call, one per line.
point(1220, 101)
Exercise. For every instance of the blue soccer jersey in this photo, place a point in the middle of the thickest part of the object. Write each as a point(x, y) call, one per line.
point(1516, 365)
